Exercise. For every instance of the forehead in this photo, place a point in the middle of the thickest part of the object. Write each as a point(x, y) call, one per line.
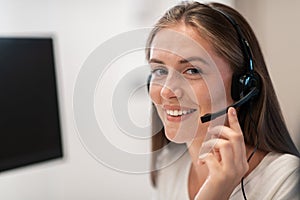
point(182, 41)
point(170, 45)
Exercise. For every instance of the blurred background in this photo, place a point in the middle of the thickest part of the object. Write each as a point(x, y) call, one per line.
point(79, 27)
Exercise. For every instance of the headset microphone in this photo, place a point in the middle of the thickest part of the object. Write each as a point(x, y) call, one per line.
point(210, 116)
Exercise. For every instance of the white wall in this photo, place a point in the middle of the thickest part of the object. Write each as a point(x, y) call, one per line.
point(79, 27)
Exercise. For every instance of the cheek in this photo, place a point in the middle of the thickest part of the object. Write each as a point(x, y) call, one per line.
point(203, 96)
point(216, 96)
point(212, 96)
point(227, 84)
point(154, 93)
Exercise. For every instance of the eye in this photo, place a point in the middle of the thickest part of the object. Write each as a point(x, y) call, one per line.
point(193, 71)
point(159, 72)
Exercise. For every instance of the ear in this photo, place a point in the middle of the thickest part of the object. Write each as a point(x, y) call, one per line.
point(242, 84)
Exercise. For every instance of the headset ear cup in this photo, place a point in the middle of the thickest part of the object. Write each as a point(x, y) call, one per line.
point(236, 87)
point(243, 84)
point(255, 82)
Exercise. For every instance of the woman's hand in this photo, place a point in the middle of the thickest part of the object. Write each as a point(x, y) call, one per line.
point(227, 162)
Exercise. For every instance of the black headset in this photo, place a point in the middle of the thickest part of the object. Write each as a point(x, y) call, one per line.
point(245, 86)
point(242, 84)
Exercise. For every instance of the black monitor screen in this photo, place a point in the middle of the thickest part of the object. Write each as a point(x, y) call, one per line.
point(29, 116)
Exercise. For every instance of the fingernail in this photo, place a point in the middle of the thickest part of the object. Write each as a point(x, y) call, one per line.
point(233, 112)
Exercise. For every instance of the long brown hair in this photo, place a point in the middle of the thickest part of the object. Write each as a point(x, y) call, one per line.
point(265, 125)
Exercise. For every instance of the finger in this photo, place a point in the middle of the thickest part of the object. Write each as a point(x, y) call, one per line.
point(223, 132)
point(227, 158)
point(212, 163)
point(236, 139)
point(233, 120)
point(223, 150)
point(233, 163)
point(208, 147)
point(233, 123)
point(235, 134)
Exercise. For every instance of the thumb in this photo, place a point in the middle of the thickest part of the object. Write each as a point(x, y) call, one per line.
point(233, 120)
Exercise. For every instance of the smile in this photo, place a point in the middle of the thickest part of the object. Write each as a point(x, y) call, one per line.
point(176, 113)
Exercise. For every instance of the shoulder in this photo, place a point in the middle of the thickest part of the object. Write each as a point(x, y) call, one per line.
point(280, 164)
point(280, 168)
point(275, 177)
point(286, 170)
point(276, 165)
point(278, 158)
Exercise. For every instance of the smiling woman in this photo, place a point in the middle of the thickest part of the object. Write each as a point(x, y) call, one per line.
point(204, 58)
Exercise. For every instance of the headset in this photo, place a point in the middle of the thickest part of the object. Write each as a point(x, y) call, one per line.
point(245, 86)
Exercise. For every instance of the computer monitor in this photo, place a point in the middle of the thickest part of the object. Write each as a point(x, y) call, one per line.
point(30, 129)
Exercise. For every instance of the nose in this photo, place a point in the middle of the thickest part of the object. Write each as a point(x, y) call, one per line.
point(168, 93)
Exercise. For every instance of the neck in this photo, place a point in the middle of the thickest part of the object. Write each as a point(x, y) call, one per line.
point(194, 150)
point(255, 159)
point(198, 171)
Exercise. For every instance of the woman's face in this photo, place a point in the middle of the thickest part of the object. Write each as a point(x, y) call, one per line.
point(188, 81)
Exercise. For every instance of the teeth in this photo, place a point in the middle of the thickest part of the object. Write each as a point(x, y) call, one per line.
point(175, 112)
point(179, 112)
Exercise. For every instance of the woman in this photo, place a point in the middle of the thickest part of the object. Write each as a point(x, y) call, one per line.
point(203, 58)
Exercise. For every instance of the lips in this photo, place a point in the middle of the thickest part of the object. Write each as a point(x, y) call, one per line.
point(177, 113)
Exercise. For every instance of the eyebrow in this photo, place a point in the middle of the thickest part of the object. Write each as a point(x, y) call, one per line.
point(182, 61)
point(154, 60)
point(193, 58)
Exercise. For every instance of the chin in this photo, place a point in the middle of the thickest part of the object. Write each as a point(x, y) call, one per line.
point(177, 137)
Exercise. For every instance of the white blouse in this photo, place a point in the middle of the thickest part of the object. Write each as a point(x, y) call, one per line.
point(276, 177)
